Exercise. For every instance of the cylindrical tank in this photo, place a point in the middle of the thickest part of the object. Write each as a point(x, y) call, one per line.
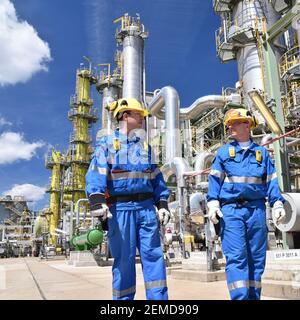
point(292, 208)
point(88, 240)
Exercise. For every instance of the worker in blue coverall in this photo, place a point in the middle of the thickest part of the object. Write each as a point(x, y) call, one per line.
point(123, 175)
point(242, 177)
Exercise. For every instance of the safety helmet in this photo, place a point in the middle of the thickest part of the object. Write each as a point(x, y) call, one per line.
point(126, 104)
point(233, 115)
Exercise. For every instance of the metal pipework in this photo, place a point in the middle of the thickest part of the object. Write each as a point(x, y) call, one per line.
point(201, 163)
point(194, 111)
point(77, 209)
point(168, 97)
point(178, 166)
point(195, 203)
point(202, 104)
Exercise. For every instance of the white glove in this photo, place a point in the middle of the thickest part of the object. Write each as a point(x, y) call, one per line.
point(279, 212)
point(163, 216)
point(102, 212)
point(214, 210)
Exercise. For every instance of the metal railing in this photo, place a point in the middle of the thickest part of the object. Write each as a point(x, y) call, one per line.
point(92, 113)
point(289, 60)
point(224, 36)
point(79, 137)
point(74, 100)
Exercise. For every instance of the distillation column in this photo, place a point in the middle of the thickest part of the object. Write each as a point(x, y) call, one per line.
point(82, 114)
point(54, 163)
point(131, 35)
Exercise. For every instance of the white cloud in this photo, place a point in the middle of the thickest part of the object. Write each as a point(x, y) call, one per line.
point(23, 52)
point(13, 147)
point(4, 122)
point(29, 191)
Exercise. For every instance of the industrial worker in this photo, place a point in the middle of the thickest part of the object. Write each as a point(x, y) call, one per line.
point(123, 175)
point(241, 179)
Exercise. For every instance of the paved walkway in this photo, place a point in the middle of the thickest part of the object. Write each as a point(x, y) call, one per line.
point(34, 279)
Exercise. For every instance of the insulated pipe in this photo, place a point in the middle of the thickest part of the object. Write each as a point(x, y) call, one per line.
point(202, 104)
point(195, 203)
point(178, 166)
point(194, 111)
point(77, 207)
point(168, 97)
point(202, 159)
point(293, 142)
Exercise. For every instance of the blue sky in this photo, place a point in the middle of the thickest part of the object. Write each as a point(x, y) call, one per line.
point(44, 41)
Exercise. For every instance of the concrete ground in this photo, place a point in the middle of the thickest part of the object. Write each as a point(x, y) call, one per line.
point(35, 279)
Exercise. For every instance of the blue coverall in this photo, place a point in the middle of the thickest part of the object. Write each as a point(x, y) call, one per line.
point(128, 170)
point(241, 180)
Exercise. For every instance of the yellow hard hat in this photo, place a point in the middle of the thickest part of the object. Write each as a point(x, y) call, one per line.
point(239, 114)
point(127, 104)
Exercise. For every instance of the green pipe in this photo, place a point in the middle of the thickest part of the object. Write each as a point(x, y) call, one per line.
point(88, 240)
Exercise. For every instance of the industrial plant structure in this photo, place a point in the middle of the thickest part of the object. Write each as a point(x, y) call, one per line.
point(262, 38)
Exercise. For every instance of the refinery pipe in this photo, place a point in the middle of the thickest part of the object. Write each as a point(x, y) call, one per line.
point(202, 161)
point(168, 97)
point(202, 104)
point(77, 209)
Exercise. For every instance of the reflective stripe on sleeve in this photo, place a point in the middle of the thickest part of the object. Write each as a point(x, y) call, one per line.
point(217, 173)
point(235, 179)
point(272, 176)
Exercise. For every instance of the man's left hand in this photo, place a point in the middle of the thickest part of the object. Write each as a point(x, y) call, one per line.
point(279, 212)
